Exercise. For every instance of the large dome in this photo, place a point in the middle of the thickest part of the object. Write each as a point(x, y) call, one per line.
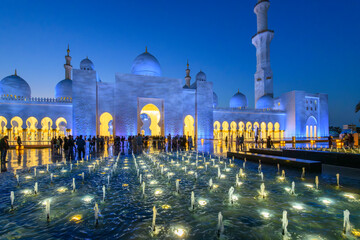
point(87, 64)
point(215, 100)
point(239, 100)
point(265, 102)
point(63, 89)
point(201, 76)
point(147, 65)
point(15, 86)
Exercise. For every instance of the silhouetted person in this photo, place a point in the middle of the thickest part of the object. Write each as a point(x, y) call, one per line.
point(4, 146)
point(80, 143)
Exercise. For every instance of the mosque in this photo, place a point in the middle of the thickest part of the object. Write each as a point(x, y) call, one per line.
point(144, 101)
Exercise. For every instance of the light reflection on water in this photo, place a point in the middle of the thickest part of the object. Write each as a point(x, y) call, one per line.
point(127, 214)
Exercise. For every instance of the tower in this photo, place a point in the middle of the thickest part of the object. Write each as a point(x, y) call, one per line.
point(187, 77)
point(67, 65)
point(262, 40)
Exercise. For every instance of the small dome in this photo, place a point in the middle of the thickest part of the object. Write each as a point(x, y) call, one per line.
point(215, 100)
point(15, 86)
point(147, 65)
point(63, 89)
point(265, 102)
point(201, 76)
point(87, 64)
point(239, 100)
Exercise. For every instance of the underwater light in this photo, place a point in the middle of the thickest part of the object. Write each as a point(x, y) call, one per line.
point(125, 167)
point(87, 199)
point(61, 189)
point(125, 185)
point(265, 214)
point(350, 196)
point(165, 206)
point(298, 206)
point(63, 170)
point(202, 202)
point(309, 185)
point(26, 191)
point(105, 169)
point(179, 232)
point(76, 218)
point(28, 177)
point(153, 182)
point(171, 174)
point(200, 167)
point(190, 172)
point(215, 186)
point(41, 171)
point(158, 192)
point(222, 176)
point(148, 175)
point(287, 189)
point(326, 201)
point(45, 200)
point(234, 198)
point(281, 178)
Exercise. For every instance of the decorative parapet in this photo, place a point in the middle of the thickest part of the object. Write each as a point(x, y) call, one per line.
point(11, 98)
point(248, 110)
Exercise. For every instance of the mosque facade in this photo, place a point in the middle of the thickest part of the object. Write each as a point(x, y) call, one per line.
point(143, 101)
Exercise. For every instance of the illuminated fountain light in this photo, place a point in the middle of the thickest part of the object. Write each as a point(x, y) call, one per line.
point(87, 198)
point(125, 185)
point(265, 214)
point(143, 167)
point(222, 176)
point(349, 196)
point(171, 174)
point(234, 198)
point(309, 185)
point(326, 201)
point(298, 206)
point(202, 202)
point(105, 169)
point(125, 167)
point(148, 175)
point(26, 192)
point(215, 186)
point(190, 172)
point(28, 177)
point(61, 189)
point(153, 182)
point(200, 167)
point(180, 232)
point(227, 169)
point(158, 192)
point(63, 170)
point(45, 200)
point(41, 171)
point(165, 206)
point(287, 189)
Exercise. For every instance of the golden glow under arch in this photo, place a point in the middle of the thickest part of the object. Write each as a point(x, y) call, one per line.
point(154, 113)
point(105, 119)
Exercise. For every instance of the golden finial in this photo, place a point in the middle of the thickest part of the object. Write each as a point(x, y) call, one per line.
point(146, 49)
point(187, 63)
point(68, 50)
point(238, 90)
point(15, 72)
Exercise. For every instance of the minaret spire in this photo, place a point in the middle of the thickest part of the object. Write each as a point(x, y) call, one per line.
point(187, 77)
point(262, 40)
point(67, 65)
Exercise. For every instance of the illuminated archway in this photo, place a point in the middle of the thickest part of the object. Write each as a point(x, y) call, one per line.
point(154, 114)
point(61, 124)
point(248, 130)
point(216, 130)
point(256, 129)
point(31, 128)
point(106, 127)
point(16, 127)
point(277, 131)
point(46, 124)
point(241, 128)
point(3, 123)
point(263, 130)
point(311, 127)
point(233, 130)
point(189, 126)
point(270, 130)
point(225, 130)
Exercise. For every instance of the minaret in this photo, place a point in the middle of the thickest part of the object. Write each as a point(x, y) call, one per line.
point(68, 66)
point(187, 77)
point(261, 40)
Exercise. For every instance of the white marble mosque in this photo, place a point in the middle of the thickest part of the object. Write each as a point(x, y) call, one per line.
point(144, 101)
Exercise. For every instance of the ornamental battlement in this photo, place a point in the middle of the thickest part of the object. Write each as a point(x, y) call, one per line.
point(11, 98)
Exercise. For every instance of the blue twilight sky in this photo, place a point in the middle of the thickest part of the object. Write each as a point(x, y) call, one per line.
point(316, 45)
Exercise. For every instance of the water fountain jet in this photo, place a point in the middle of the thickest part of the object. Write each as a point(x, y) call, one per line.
point(347, 226)
point(220, 225)
point(12, 198)
point(285, 223)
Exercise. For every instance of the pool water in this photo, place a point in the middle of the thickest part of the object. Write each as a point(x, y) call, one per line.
point(127, 213)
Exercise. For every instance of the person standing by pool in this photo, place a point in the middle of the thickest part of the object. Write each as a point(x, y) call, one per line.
point(80, 143)
point(18, 140)
point(4, 146)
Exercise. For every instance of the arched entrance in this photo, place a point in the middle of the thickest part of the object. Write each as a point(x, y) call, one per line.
point(225, 130)
point(106, 125)
point(3, 123)
point(61, 124)
point(217, 130)
point(46, 124)
point(16, 127)
point(311, 127)
point(31, 128)
point(154, 116)
point(189, 126)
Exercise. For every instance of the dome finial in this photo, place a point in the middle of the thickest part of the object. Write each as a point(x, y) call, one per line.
point(187, 63)
point(15, 72)
point(238, 90)
point(68, 50)
point(146, 49)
